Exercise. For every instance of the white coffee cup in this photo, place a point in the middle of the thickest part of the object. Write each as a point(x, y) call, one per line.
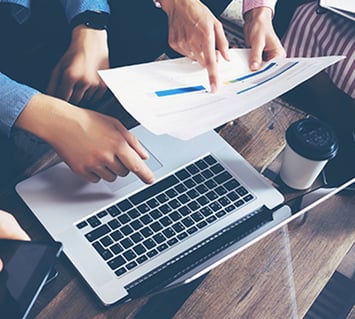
point(310, 145)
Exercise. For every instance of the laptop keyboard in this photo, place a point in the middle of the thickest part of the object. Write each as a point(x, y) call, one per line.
point(140, 227)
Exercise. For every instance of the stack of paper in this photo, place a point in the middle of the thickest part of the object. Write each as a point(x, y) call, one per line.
point(172, 97)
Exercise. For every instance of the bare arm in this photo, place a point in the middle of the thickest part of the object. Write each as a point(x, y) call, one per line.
point(94, 145)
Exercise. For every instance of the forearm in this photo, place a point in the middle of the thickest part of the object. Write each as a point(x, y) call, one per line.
point(46, 116)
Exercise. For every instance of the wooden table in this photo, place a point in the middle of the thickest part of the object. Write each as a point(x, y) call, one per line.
point(278, 277)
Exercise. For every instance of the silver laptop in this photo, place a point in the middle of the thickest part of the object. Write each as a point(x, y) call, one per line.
point(129, 239)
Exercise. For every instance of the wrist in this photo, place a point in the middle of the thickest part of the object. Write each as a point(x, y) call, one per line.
point(259, 13)
point(42, 116)
point(97, 20)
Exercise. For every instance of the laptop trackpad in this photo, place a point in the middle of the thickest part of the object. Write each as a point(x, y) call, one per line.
point(153, 163)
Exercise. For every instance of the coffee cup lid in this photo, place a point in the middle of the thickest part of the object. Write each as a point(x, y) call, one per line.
point(312, 139)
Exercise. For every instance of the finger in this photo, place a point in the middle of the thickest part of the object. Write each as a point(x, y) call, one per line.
point(91, 177)
point(78, 93)
point(132, 141)
point(210, 63)
point(278, 52)
point(98, 94)
point(136, 165)
point(222, 43)
point(53, 82)
point(1, 265)
point(64, 89)
point(105, 173)
point(256, 54)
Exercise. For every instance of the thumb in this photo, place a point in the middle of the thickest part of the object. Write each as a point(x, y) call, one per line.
point(255, 58)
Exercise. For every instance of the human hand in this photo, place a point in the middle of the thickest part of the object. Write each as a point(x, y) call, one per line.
point(94, 145)
point(10, 229)
point(75, 76)
point(260, 35)
point(196, 33)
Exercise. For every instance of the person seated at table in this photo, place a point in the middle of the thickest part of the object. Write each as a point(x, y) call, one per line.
point(315, 32)
point(49, 62)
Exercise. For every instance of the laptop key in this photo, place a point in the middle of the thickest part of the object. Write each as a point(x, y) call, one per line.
point(102, 214)
point(169, 232)
point(156, 226)
point(94, 221)
point(232, 184)
point(126, 243)
point(116, 248)
point(149, 243)
point(202, 224)
point(154, 189)
point(142, 259)
point(129, 255)
point(124, 219)
point(180, 188)
point(248, 198)
point(182, 236)
point(116, 262)
point(139, 249)
point(242, 191)
point(152, 253)
point(146, 232)
point(120, 271)
point(114, 224)
point(192, 230)
point(155, 214)
point(116, 235)
point(210, 160)
point(104, 253)
point(182, 174)
point(159, 238)
point(172, 241)
point(133, 213)
point(113, 211)
point(178, 227)
point(162, 247)
point(97, 233)
point(201, 164)
point(82, 224)
point(192, 168)
point(131, 265)
point(137, 237)
point(106, 241)
point(124, 205)
point(171, 193)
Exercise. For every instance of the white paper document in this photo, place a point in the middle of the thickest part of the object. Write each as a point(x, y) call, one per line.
point(171, 96)
point(345, 8)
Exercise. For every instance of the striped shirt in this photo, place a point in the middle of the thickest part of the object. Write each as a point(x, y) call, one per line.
point(311, 34)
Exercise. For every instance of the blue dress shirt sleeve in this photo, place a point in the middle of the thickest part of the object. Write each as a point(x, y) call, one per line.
point(14, 98)
point(73, 7)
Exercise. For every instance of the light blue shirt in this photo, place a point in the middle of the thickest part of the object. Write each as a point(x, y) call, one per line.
point(14, 96)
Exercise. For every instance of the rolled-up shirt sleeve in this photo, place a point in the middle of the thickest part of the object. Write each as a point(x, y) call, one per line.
point(251, 4)
point(74, 7)
point(14, 97)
